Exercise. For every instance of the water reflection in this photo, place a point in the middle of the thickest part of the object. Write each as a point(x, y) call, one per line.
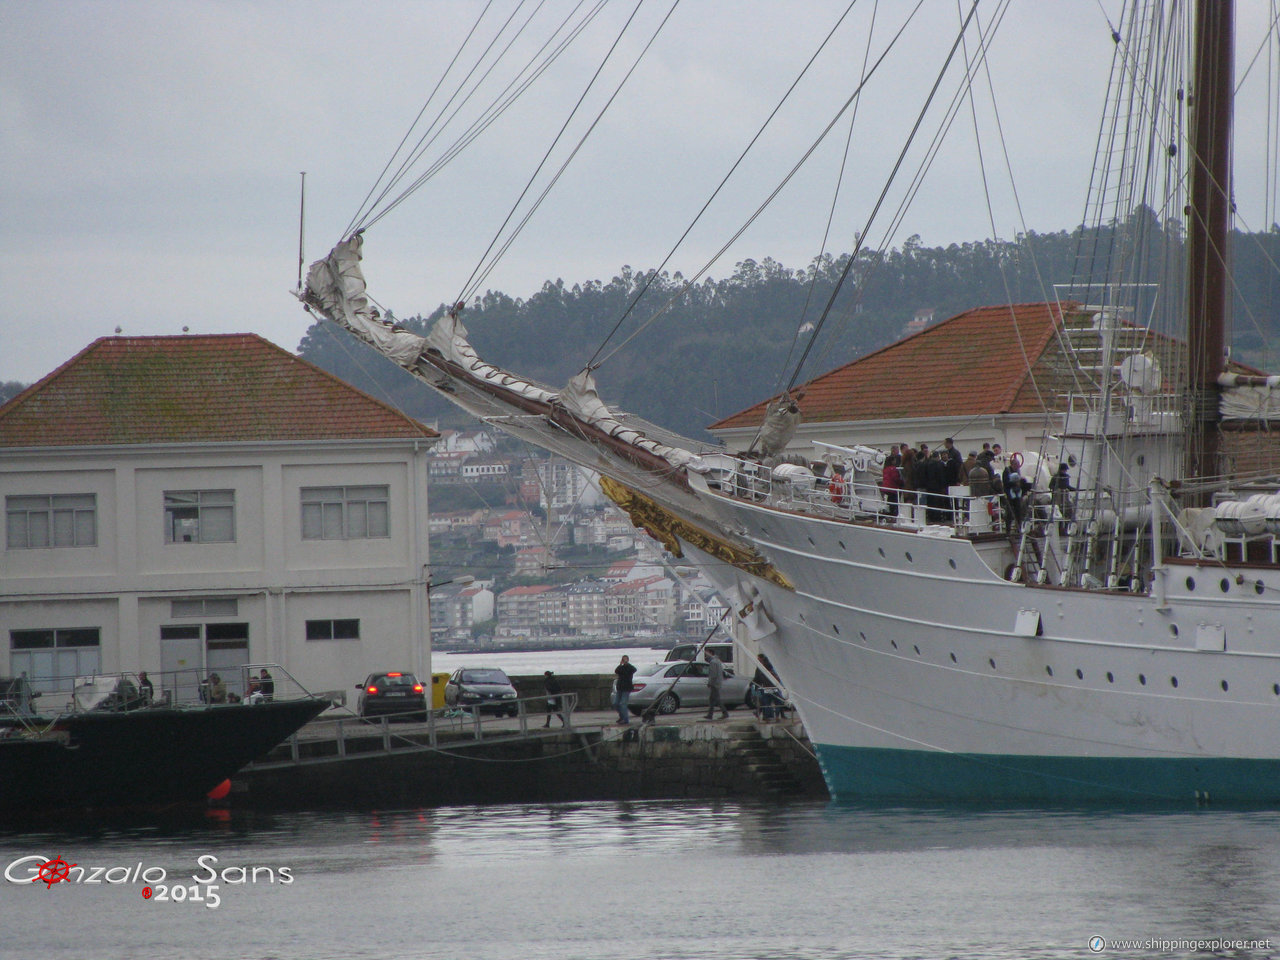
point(698, 879)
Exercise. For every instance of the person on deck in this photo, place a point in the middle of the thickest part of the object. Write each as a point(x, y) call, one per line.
point(217, 689)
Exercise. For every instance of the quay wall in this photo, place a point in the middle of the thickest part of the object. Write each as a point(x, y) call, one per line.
point(741, 759)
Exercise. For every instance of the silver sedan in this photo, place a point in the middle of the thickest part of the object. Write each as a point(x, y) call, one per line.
point(687, 683)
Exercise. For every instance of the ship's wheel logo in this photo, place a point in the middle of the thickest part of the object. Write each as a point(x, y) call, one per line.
point(53, 871)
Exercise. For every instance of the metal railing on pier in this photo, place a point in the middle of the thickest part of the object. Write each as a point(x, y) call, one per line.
point(346, 737)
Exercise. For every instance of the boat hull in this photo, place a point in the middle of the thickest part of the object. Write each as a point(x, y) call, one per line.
point(142, 758)
point(884, 774)
point(921, 674)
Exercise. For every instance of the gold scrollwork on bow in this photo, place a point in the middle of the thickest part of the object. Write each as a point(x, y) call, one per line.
point(669, 530)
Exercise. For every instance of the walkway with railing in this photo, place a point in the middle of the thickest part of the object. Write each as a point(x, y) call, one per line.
point(349, 737)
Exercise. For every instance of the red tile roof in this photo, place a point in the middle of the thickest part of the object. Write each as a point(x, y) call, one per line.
point(974, 363)
point(194, 389)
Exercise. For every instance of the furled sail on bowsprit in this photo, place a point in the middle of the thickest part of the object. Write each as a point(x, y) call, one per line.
point(336, 289)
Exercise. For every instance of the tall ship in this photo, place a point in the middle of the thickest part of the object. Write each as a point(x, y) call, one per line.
point(1111, 638)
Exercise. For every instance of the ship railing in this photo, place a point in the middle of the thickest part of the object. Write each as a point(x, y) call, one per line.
point(349, 735)
point(188, 687)
point(800, 490)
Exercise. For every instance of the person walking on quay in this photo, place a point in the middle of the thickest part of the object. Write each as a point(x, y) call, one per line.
point(715, 680)
point(554, 701)
point(624, 671)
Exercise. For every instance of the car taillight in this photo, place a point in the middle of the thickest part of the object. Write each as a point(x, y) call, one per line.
point(371, 690)
point(637, 686)
point(417, 688)
point(395, 674)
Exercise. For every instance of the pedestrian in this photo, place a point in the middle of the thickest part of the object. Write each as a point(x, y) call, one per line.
point(715, 680)
point(554, 700)
point(146, 688)
point(624, 671)
point(266, 684)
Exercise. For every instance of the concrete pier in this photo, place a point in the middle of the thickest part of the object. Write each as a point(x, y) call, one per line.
point(518, 760)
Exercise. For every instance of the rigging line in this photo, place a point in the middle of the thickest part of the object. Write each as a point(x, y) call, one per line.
point(986, 189)
point(973, 7)
point(499, 104)
point(870, 266)
point(913, 188)
point(688, 284)
point(437, 125)
point(403, 140)
point(360, 223)
point(831, 213)
point(569, 159)
point(546, 156)
point(592, 363)
point(1263, 43)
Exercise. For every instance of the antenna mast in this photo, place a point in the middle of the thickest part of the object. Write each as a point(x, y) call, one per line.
point(302, 219)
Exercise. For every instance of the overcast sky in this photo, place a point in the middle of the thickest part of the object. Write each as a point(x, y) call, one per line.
point(150, 152)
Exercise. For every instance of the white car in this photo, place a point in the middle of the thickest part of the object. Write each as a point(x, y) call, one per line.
point(687, 683)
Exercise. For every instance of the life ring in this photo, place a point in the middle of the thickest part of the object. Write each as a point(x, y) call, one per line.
point(1015, 461)
point(836, 486)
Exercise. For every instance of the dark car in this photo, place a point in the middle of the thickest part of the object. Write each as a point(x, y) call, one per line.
point(485, 688)
point(392, 693)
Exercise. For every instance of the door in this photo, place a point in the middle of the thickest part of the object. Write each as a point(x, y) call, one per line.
point(181, 663)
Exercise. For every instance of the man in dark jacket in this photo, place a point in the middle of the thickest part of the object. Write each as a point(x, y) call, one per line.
point(624, 671)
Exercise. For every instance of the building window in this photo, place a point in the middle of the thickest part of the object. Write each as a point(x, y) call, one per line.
point(52, 659)
point(60, 520)
point(333, 629)
point(345, 513)
point(199, 516)
point(210, 607)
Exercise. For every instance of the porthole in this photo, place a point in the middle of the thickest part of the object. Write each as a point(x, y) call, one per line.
point(802, 619)
point(1048, 670)
point(842, 546)
point(1173, 629)
point(1111, 677)
point(953, 659)
point(992, 661)
point(916, 648)
point(1258, 587)
point(1225, 584)
point(908, 556)
point(835, 629)
point(952, 562)
point(1079, 674)
point(1142, 679)
point(1275, 688)
point(894, 644)
point(811, 543)
point(1191, 583)
point(1224, 686)
point(880, 550)
point(1173, 682)
point(862, 636)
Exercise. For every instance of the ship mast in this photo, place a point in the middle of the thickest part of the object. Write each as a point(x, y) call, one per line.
point(1208, 231)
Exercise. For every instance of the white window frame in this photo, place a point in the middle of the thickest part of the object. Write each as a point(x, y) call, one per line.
point(190, 515)
point(353, 512)
point(53, 667)
point(47, 521)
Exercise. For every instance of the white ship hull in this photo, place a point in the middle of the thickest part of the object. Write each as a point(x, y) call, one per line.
point(920, 673)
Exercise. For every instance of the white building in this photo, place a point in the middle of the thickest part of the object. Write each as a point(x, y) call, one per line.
point(191, 504)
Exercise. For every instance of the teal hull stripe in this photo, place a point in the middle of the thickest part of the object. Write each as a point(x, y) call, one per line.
point(857, 773)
